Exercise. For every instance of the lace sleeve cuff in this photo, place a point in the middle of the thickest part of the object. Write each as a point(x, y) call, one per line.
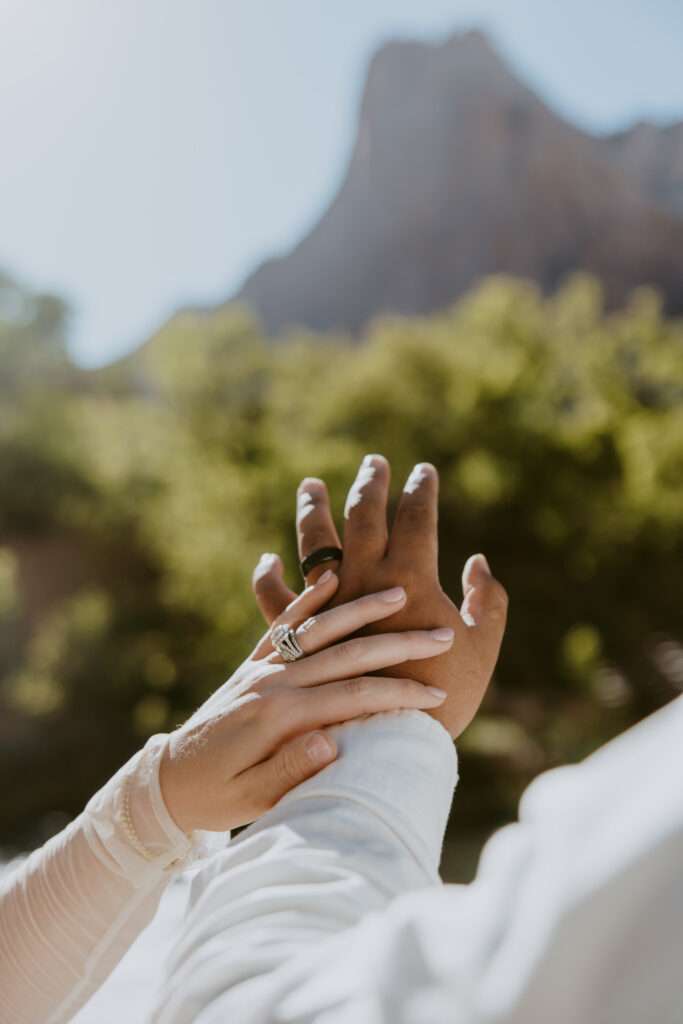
point(128, 825)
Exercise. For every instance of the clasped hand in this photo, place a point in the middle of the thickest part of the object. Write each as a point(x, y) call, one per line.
point(374, 559)
point(251, 741)
point(378, 633)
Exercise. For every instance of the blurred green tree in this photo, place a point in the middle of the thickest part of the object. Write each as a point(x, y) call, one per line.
point(149, 490)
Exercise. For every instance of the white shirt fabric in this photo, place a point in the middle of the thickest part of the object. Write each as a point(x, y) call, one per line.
point(70, 911)
point(330, 909)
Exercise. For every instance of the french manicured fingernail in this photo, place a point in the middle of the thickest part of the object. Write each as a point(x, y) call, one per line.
point(441, 694)
point(267, 558)
point(324, 578)
point(318, 750)
point(395, 594)
point(444, 634)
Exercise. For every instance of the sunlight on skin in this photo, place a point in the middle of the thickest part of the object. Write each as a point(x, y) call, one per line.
point(366, 475)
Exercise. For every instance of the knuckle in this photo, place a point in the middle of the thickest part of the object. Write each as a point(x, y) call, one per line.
point(411, 690)
point(287, 767)
point(362, 520)
point(249, 708)
point(358, 686)
point(416, 514)
point(262, 703)
point(274, 706)
point(315, 537)
point(350, 650)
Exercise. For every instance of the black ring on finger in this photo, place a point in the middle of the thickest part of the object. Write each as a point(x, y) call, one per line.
point(318, 557)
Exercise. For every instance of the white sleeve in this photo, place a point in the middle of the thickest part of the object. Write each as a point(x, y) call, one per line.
point(71, 909)
point(329, 910)
point(340, 846)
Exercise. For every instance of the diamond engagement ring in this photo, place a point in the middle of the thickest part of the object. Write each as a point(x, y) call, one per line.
point(286, 644)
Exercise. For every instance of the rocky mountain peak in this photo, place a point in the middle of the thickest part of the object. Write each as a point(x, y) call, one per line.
point(459, 170)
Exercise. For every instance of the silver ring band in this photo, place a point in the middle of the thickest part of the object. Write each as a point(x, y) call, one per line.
point(286, 644)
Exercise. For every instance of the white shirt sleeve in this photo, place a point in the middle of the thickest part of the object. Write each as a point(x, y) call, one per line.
point(70, 911)
point(335, 850)
point(330, 911)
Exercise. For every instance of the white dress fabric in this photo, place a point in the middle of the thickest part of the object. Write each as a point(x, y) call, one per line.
point(330, 909)
point(71, 910)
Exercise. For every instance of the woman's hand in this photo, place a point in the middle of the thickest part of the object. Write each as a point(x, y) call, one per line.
point(263, 731)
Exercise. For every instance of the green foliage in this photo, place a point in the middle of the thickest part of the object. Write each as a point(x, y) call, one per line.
point(557, 431)
point(9, 597)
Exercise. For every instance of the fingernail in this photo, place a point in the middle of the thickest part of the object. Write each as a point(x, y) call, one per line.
point(324, 578)
point(395, 594)
point(484, 559)
point(441, 694)
point(265, 564)
point(444, 634)
point(373, 460)
point(318, 750)
point(422, 469)
point(417, 475)
point(310, 483)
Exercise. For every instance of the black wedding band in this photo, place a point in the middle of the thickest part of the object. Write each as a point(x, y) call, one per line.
point(318, 557)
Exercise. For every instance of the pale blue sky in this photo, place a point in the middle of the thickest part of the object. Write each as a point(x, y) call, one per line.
point(153, 151)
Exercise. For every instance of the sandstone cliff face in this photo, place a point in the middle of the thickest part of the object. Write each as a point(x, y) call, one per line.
point(652, 157)
point(458, 171)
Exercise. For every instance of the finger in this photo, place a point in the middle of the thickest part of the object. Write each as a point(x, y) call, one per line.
point(259, 788)
point(346, 699)
point(365, 514)
point(315, 527)
point(414, 536)
point(299, 609)
point(363, 654)
point(319, 631)
point(270, 590)
point(484, 608)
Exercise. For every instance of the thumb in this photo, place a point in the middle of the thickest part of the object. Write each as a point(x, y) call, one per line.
point(485, 605)
point(294, 763)
point(270, 590)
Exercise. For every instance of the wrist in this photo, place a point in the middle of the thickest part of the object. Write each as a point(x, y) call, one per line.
point(127, 824)
point(172, 790)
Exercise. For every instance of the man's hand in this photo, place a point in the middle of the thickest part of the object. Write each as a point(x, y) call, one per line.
point(374, 560)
